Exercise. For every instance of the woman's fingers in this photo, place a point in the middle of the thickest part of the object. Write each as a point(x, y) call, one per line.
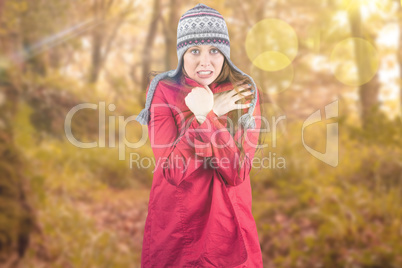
point(243, 105)
point(242, 95)
point(241, 88)
point(225, 102)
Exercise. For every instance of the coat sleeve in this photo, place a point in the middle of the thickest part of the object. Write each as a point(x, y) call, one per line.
point(225, 153)
point(174, 151)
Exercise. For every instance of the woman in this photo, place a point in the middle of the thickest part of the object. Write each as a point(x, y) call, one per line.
point(199, 212)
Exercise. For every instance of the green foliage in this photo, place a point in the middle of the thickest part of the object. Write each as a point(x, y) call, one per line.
point(62, 178)
point(314, 215)
point(379, 130)
point(73, 240)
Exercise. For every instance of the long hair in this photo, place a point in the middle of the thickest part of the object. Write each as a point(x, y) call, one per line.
point(227, 74)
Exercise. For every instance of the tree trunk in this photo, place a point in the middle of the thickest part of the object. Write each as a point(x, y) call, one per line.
point(105, 33)
point(97, 40)
point(17, 217)
point(147, 56)
point(96, 55)
point(29, 34)
point(260, 14)
point(171, 35)
point(368, 92)
point(399, 52)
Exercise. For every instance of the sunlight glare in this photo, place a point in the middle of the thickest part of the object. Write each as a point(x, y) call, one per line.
point(366, 5)
point(370, 6)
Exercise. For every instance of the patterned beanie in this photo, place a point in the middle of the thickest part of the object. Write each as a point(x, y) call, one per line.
point(200, 25)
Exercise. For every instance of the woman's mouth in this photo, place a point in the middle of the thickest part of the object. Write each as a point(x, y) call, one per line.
point(204, 74)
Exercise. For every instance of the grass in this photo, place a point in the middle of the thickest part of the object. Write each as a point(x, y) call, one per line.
point(92, 207)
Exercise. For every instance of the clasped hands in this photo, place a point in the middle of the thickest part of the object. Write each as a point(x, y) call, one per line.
point(201, 101)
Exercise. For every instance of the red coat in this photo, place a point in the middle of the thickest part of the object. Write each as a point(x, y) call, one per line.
point(199, 214)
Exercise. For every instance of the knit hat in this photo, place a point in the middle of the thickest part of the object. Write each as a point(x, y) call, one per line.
point(200, 25)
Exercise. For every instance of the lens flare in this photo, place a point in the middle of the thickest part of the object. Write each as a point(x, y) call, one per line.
point(350, 70)
point(53, 40)
point(271, 44)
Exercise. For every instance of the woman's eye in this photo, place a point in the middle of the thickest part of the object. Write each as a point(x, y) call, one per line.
point(214, 51)
point(194, 51)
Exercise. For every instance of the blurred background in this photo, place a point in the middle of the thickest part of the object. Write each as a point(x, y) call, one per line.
point(327, 192)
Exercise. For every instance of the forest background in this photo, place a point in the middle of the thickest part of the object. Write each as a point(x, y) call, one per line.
point(328, 193)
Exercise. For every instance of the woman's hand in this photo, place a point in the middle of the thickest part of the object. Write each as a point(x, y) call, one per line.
point(200, 101)
point(224, 102)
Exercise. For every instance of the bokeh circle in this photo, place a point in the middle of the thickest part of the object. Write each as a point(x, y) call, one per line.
point(345, 66)
point(271, 44)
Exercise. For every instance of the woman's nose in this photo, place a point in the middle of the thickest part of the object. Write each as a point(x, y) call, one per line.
point(205, 60)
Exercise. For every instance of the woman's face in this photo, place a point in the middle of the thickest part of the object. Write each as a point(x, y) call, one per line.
point(203, 63)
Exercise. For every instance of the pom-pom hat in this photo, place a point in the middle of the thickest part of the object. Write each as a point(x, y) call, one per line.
point(200, 25)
